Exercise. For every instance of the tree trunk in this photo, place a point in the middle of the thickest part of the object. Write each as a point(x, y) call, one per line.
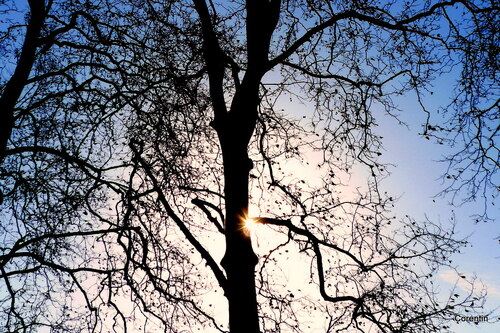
point(239, 260)
point(235, 129)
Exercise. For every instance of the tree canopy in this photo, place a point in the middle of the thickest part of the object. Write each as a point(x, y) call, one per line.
point(138, 136)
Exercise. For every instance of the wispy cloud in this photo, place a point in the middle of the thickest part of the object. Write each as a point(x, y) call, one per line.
point(462, 281)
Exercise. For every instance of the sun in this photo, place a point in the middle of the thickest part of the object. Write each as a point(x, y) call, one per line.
point(249, 225)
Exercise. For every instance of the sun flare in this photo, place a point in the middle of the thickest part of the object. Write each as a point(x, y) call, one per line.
point(249, 225)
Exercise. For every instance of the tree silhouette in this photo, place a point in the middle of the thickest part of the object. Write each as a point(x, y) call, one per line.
point(138, 135)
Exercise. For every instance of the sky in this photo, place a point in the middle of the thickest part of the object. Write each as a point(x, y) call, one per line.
point(415, 177)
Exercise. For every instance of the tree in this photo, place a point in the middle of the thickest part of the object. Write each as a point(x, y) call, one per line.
point(53, 110)
point(168, 112)
point(13, 88)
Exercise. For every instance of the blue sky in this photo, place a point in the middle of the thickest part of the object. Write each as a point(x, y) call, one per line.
point(415, 177)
